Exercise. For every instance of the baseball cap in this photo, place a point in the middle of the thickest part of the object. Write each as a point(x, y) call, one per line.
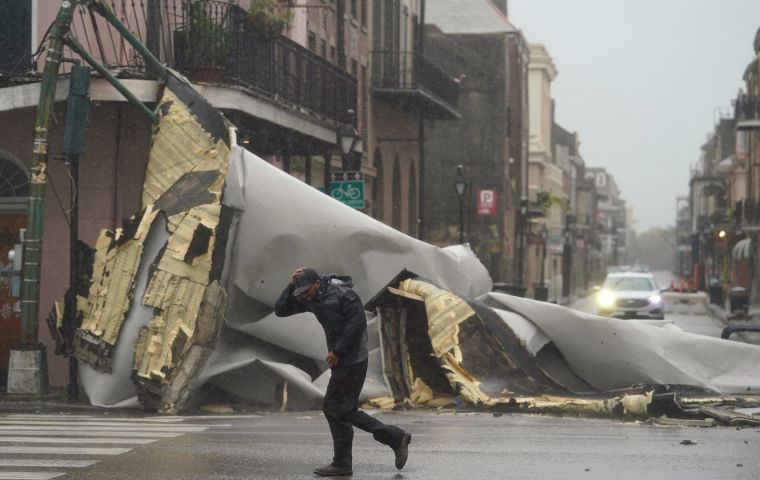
point(304, 280)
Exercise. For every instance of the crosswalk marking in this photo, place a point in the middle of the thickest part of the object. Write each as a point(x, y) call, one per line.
point(45, 462)
point(105, 433)
point(99, 424)
point(159, 420)
point(103, 428)
point(66, 450)
point(103, 440)
point(54, 439)
point(29, 475)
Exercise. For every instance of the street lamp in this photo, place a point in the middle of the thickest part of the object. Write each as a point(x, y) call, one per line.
point(347, 139)
point(545, 238)
point(460, 184)
point(521, 239)
point(567, 257)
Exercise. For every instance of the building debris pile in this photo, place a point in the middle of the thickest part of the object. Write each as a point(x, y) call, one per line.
point(180, 307)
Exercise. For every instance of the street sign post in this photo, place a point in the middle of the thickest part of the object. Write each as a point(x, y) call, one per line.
point(348, 187)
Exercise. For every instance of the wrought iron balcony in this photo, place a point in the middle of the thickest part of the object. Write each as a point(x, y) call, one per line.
point(218, 42)
point(411, 76)
point(747, 112)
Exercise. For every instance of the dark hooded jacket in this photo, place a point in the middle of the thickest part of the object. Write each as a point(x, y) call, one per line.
point(340, 312)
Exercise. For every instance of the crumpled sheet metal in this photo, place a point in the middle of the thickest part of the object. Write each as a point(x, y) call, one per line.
point(452, 322)
point(287, 224)
point(184, 183)
point(612, 354)
point(279, 224)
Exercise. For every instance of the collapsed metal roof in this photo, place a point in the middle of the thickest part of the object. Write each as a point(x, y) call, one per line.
point(181, 298)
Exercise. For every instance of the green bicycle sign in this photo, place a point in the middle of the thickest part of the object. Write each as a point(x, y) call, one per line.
point(350, 192)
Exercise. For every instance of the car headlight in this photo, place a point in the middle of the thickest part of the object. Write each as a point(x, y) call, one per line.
point(655, 299)
point(605, 299)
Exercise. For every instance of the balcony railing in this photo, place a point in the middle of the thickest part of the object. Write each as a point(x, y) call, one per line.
point(410, 73)
point(747, 112)
point(216, 41)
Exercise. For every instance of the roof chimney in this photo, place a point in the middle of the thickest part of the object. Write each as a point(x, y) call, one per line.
point(501, 5)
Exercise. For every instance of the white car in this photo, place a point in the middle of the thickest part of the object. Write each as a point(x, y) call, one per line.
point(630, 295)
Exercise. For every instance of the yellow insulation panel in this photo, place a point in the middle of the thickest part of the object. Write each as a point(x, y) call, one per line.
point(177, 288)
point(113, 276)
point(179, 146)
point(445, 312)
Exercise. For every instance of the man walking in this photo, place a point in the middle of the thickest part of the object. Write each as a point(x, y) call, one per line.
point(341, 313)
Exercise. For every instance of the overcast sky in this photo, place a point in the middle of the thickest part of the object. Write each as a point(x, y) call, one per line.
point(642, 83)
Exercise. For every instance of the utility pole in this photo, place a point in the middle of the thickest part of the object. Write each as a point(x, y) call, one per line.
point(28, 360)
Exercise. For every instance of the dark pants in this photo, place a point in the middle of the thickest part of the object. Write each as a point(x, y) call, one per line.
point(341, 407)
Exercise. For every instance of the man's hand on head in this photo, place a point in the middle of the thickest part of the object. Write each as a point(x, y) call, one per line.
point(332, 359)
point(295, 274)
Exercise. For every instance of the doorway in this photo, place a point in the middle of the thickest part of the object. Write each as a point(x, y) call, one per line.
point(14, 191)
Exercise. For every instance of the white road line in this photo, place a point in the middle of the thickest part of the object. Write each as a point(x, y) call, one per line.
point(98, 424)
point(106, 433)
point(125, 441)
point(29, 475)
point(220, 417)
point(103, 429)
point(65, 450)
point(18, 416)
point(44, 462)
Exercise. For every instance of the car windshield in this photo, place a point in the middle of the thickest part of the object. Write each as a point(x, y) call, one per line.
point(629, 283)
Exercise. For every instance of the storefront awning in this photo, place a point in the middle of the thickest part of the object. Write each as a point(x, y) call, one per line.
point(742, 249)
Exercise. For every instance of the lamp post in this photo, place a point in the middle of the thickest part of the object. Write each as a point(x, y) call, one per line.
point(545, 238)
point(347, 139)
point(540, 291)
point(521, 240)
point(567, 260)
point(460, 184)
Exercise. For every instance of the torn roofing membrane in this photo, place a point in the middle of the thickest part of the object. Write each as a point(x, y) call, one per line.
point(220, 222)
point(183, 184)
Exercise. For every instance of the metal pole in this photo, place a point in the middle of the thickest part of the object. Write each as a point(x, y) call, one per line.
point(328, 173)
point(521, 241)
point(74, 45)
point(30, 287)
point(543, 263)
point(461, 219)
point(73, 160)
point(74, 137)
point(102, 8)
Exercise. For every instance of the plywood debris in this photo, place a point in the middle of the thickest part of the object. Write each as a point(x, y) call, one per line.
point(117, 256)
point(184, 183)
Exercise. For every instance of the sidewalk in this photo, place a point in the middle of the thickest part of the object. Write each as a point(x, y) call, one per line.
point(55, 401)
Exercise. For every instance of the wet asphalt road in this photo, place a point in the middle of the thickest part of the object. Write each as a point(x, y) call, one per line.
point(445, 445)
point(700, 323)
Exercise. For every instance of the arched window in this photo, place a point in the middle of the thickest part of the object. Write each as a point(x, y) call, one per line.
point(377, 188)
point(14, 183)
point(396, 194)
point(413, 206)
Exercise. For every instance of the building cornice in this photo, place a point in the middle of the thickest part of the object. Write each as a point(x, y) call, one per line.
point(541, 60)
